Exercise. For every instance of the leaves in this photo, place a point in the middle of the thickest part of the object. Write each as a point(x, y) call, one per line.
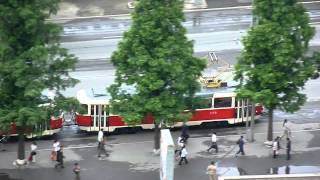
point(31, 61)
point(156, 59)
point(274, 65)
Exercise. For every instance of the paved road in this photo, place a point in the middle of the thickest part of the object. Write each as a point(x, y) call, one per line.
point(131, 156)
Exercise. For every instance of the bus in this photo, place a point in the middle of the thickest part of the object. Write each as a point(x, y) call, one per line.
point(218, 105)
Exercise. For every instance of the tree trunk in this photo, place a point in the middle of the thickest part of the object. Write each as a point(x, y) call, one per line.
point(270, 125)
point(156, 137)
point(253, 114)
point(21, 148)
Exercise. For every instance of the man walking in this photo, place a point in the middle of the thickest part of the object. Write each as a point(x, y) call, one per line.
point(240, 142)
point(214, 144)
point(60, 157)
point(286, 129)
point(183, 155)
point(212, 171)
point(185, 133)
point(288, 148)
point(100, 137)
point(275, 147)
point(102, 148)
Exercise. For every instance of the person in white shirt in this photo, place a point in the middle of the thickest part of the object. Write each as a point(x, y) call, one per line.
point(33, 152)
point(100, 137)
point(214, 144)
point(183, 155)
point(56, 148)
point(275, 147)
point(180, 145)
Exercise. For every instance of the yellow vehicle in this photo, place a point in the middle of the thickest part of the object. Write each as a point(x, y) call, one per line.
point(218, 79)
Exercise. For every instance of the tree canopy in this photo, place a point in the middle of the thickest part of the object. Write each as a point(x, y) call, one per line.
point(31, 60)
point(274, 65)
point(155, 68)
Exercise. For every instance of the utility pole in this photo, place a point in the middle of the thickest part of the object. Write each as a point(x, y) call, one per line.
point(250, 133)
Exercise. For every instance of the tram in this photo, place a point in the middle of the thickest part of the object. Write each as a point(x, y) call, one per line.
point(49, 128)
point(219, 105)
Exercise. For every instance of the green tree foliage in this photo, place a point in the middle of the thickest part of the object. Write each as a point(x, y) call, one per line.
point(273, 66)
point(155, 59)
point(31, 61)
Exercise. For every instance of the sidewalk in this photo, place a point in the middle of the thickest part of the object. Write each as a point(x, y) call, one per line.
point(83, 8)
point(305, 144)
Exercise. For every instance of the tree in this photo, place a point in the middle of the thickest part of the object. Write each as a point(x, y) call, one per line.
point(31, 61)
point(273, 66)
point(155, 69)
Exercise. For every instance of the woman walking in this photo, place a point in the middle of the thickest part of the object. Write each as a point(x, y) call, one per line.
point(33, 153)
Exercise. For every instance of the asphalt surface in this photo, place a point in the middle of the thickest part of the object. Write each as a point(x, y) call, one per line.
point(131, 155)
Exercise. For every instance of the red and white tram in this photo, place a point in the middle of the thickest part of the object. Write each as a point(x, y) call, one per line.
point(49, 128)
point(219, 105)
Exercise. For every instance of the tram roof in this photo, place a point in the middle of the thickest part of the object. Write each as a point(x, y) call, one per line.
point(89, 96)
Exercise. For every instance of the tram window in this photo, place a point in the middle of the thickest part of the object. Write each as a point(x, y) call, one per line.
point(92, 110)
point(222, 102)
point(97, 109)
point(202, 103)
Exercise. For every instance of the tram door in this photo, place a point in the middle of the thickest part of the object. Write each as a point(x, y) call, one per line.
point(243, 110)
point(98, 117)
point(102, 117)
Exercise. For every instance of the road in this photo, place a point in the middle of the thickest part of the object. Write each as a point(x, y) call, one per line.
point(218, 30)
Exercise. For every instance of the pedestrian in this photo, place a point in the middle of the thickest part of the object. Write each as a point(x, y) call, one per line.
point(60, 157)
point(214, 144)
point(102, 148)
point(212, 171)
point(76, 170)
point(275, 147)
point(180, 144)
point(240, 143)
point(286, 129)
point(33, 153)
point(56, 148)
point(183, 155)
point(288, 148)
point(100, 137)
point(185, 133)
point(278, 142)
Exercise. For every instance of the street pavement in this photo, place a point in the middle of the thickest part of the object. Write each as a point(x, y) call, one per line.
point(85, 8)
point(131, 155)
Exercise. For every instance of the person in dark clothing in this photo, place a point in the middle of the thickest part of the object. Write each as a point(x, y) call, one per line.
point(288, 148)
point(184, 132)
point(240, 142)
